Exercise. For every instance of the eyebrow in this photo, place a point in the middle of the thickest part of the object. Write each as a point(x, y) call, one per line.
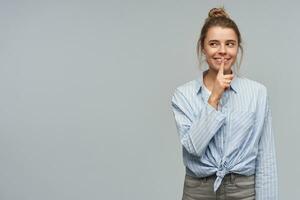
point(213, 41)
point(218, 41)
point(231, 41)
point(234, 41)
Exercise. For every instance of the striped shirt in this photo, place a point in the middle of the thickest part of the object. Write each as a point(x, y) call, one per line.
point(237, 137)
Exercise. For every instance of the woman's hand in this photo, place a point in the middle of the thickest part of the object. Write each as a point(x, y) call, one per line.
point(221, 84)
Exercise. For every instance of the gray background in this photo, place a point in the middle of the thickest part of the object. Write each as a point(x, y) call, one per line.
point(85, 93)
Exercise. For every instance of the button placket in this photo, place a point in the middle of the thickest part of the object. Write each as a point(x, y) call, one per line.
point(223, 131)
point(226, 129)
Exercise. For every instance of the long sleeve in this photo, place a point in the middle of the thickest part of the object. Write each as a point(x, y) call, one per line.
point(266, 186)
point(195, 132)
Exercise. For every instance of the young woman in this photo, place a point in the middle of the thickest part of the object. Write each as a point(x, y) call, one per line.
point(224, 123)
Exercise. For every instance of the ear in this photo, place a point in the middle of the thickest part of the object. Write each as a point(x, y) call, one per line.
point(203, 51)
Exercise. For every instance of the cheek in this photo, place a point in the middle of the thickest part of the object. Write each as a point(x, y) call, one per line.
point(209, 53)
point(233, 52)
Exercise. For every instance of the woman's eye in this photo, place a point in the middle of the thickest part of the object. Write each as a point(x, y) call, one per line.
point(213, 44)
point(231, 44)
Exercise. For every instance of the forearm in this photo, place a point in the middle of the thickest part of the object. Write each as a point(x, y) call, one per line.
point(203, 128)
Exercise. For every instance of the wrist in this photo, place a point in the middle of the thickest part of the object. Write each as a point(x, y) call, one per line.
point(213, 101)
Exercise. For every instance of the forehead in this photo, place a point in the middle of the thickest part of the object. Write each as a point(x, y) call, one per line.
point(220, 33)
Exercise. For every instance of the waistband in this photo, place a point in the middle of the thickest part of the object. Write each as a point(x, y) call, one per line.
point(228, 178)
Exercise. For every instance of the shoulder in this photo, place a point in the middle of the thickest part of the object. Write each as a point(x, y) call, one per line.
point(187, 89)
point(252, 86)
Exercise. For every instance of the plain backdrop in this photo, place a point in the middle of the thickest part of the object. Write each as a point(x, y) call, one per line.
point(86, 85)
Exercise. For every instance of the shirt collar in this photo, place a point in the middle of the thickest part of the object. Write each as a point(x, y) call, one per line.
point(233, 85)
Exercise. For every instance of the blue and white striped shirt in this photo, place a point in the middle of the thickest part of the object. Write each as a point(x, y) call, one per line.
point(235, 138)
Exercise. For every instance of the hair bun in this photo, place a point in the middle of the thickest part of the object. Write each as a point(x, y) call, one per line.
point(217, 12)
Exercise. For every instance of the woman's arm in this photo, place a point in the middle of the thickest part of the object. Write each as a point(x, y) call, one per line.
point(195, 132)
point(266, 169)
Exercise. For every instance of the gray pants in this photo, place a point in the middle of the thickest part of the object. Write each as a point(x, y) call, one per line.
point(233, 187)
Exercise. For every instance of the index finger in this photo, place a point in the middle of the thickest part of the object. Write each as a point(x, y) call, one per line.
point(221, 68)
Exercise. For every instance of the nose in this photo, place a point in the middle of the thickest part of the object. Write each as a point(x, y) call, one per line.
point(222, 49)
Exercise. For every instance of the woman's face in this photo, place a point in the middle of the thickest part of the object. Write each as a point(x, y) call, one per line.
point(220, 43)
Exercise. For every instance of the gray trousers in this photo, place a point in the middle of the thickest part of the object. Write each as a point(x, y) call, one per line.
point(233, 187)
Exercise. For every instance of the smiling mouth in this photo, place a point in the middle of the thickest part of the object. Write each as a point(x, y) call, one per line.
point(219, 60)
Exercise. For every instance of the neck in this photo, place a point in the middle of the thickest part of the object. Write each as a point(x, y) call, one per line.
point(209, 78)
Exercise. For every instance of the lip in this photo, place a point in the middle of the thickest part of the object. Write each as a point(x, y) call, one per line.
point(219, 60)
